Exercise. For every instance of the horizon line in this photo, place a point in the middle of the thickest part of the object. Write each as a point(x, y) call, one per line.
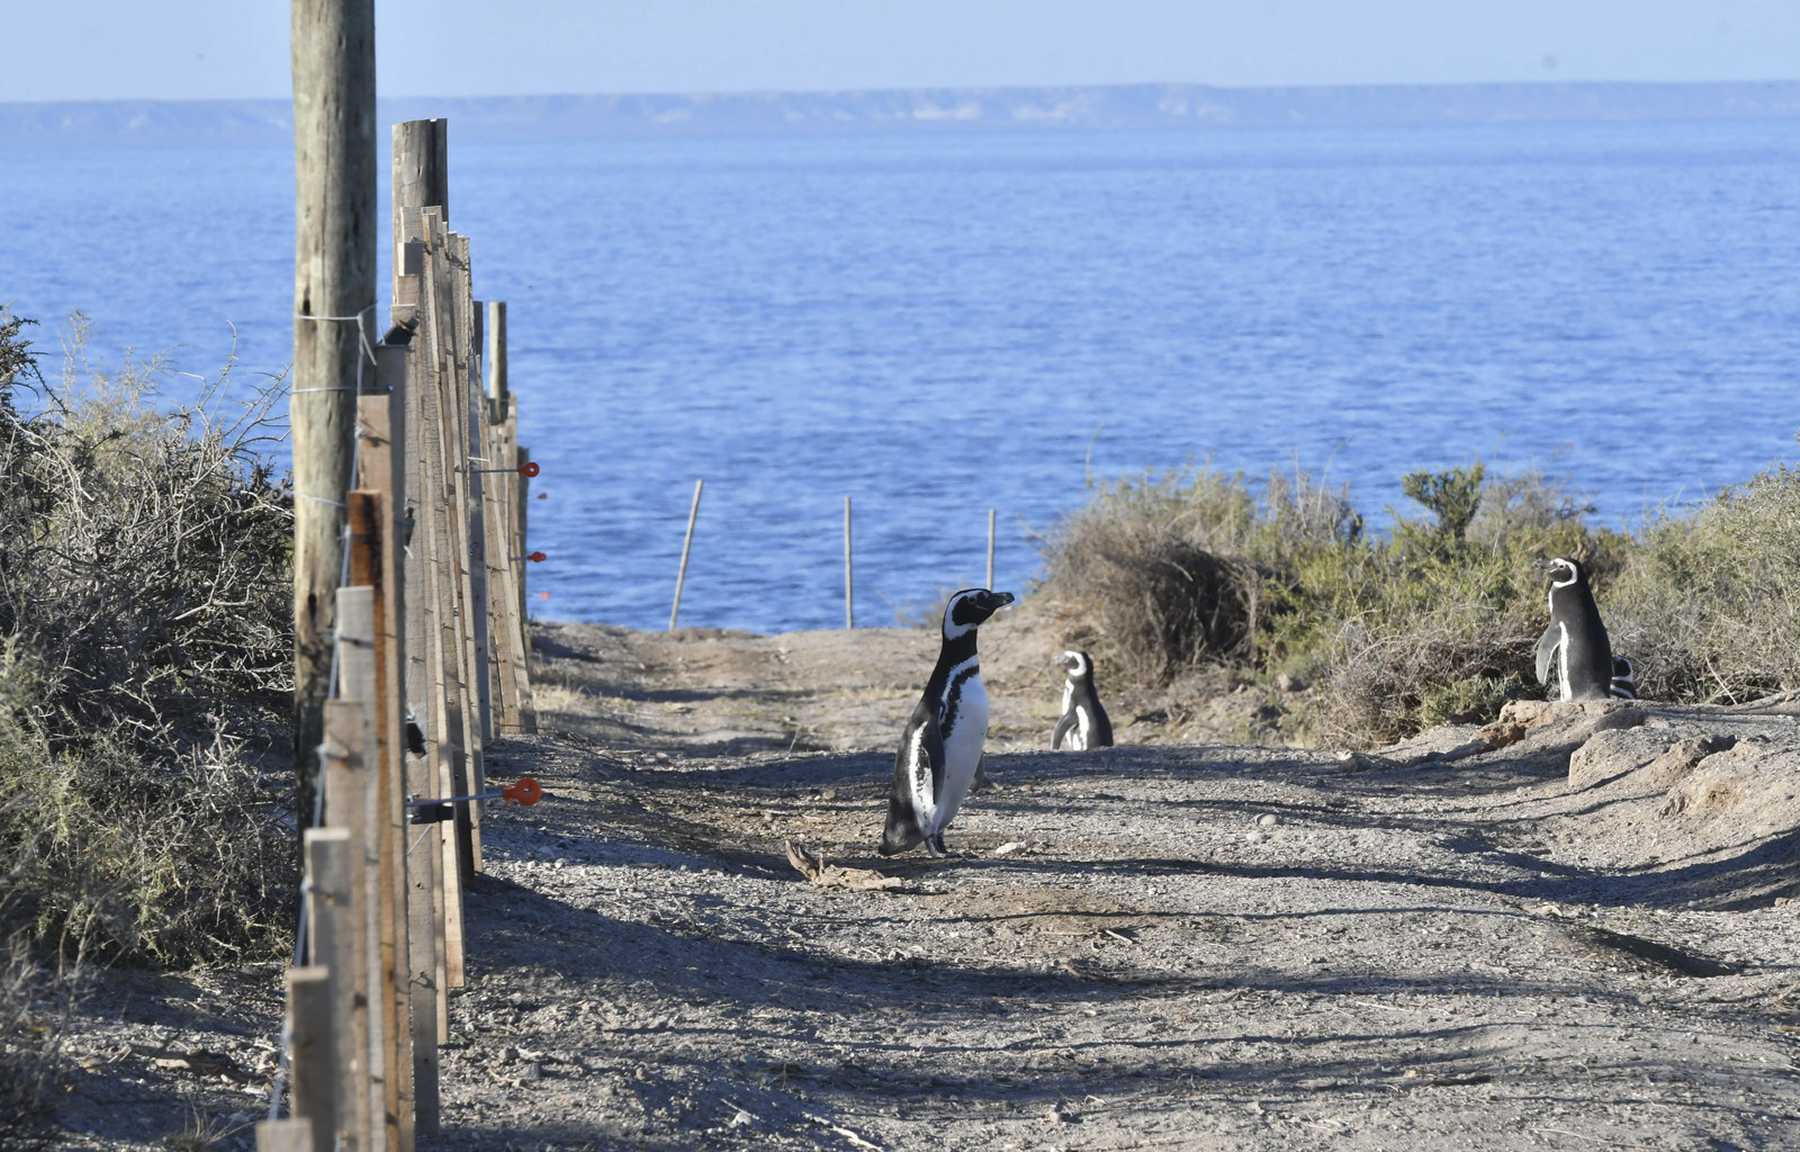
point(993, 88)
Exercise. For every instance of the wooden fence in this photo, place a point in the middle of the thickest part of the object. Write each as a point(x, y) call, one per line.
point(430, 626)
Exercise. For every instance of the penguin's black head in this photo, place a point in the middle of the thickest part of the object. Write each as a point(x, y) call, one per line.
point(901, 833)
point(970, 608)
point(1564, 572)
point(1079, 665)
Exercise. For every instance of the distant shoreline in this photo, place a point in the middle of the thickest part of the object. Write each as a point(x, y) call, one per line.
point(1161, 107)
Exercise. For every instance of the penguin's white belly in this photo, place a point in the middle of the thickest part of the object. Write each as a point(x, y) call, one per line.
point(1562, 662)
point(962, 751)
point(1084, 729)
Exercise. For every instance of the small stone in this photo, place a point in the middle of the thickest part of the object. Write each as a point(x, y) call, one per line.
point(1268, 820)
point(1255, 837)
point(509, 1053)
point(534, 1073)
point(828, 793)
point(743, 1119)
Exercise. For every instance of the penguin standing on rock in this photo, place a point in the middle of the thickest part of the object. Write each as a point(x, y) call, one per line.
point(1084, 723)
point(1575, 639)
point(940, 748)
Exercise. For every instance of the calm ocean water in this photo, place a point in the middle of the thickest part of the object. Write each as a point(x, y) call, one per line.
point(936, 325)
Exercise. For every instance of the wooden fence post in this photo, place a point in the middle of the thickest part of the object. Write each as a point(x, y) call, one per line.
point(519, 565)
point(687, 542)
point(333, 46)
point(334, 920)
point(284, 1136)
point(354, 800)
point(522, 526)
point(465, 388)
point(849, 612)
point(448, 697)
point(375, 518)
point(421, 180)
point(310, 1033)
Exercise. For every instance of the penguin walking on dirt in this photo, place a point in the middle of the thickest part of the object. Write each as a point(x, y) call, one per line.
point(1624, 680)
point(1084, 723)
point(940, 749)
point(1575, 639)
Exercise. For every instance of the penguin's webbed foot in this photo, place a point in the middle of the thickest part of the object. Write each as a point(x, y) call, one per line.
point(935, 845)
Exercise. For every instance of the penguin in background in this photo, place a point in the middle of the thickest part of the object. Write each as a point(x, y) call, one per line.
point(1576, 639)
point(940, 747)
point(1624, 680)
point(1084, 723)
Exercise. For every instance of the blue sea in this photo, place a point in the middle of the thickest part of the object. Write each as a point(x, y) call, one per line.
point(937, 325)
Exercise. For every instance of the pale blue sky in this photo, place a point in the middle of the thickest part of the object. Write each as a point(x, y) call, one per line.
point(179, 49)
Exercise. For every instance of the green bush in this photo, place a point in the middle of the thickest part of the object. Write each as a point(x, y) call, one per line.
point(1434, 623)
point(1708, 608)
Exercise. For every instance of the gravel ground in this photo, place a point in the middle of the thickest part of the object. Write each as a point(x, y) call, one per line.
point(1460, 943)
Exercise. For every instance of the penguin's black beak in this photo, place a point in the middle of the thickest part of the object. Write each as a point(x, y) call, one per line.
point(1002, 599)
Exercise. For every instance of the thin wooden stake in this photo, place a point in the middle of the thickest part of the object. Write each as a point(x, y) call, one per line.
point(498, 390)
point(849, 605)
point(687, 542)
point(990, 554)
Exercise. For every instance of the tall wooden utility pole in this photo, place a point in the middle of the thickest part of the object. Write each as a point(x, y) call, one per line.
point(334, 325)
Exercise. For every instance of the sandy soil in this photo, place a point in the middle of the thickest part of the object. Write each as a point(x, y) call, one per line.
point(1446, 944)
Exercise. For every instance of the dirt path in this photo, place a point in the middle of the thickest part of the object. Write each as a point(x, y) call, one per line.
point(1585, 938)
point(1145, 947)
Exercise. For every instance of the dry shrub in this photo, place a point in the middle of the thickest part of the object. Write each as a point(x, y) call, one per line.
point(144, 668)
point(1455, 663)
point(1708, 607)
point(1140, 575)
point(34, 1015)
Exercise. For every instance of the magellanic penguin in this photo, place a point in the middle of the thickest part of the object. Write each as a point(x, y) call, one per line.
point(1084, 724)
point(1624, 680)
point(1575, 639)
point(941, 746)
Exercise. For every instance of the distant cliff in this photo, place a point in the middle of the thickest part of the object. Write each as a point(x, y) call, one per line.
point(1171, 107)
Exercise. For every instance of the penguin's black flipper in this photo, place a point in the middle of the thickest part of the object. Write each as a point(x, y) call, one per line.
point(1546, 652)
point(918, 780)
point(1063, 727)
